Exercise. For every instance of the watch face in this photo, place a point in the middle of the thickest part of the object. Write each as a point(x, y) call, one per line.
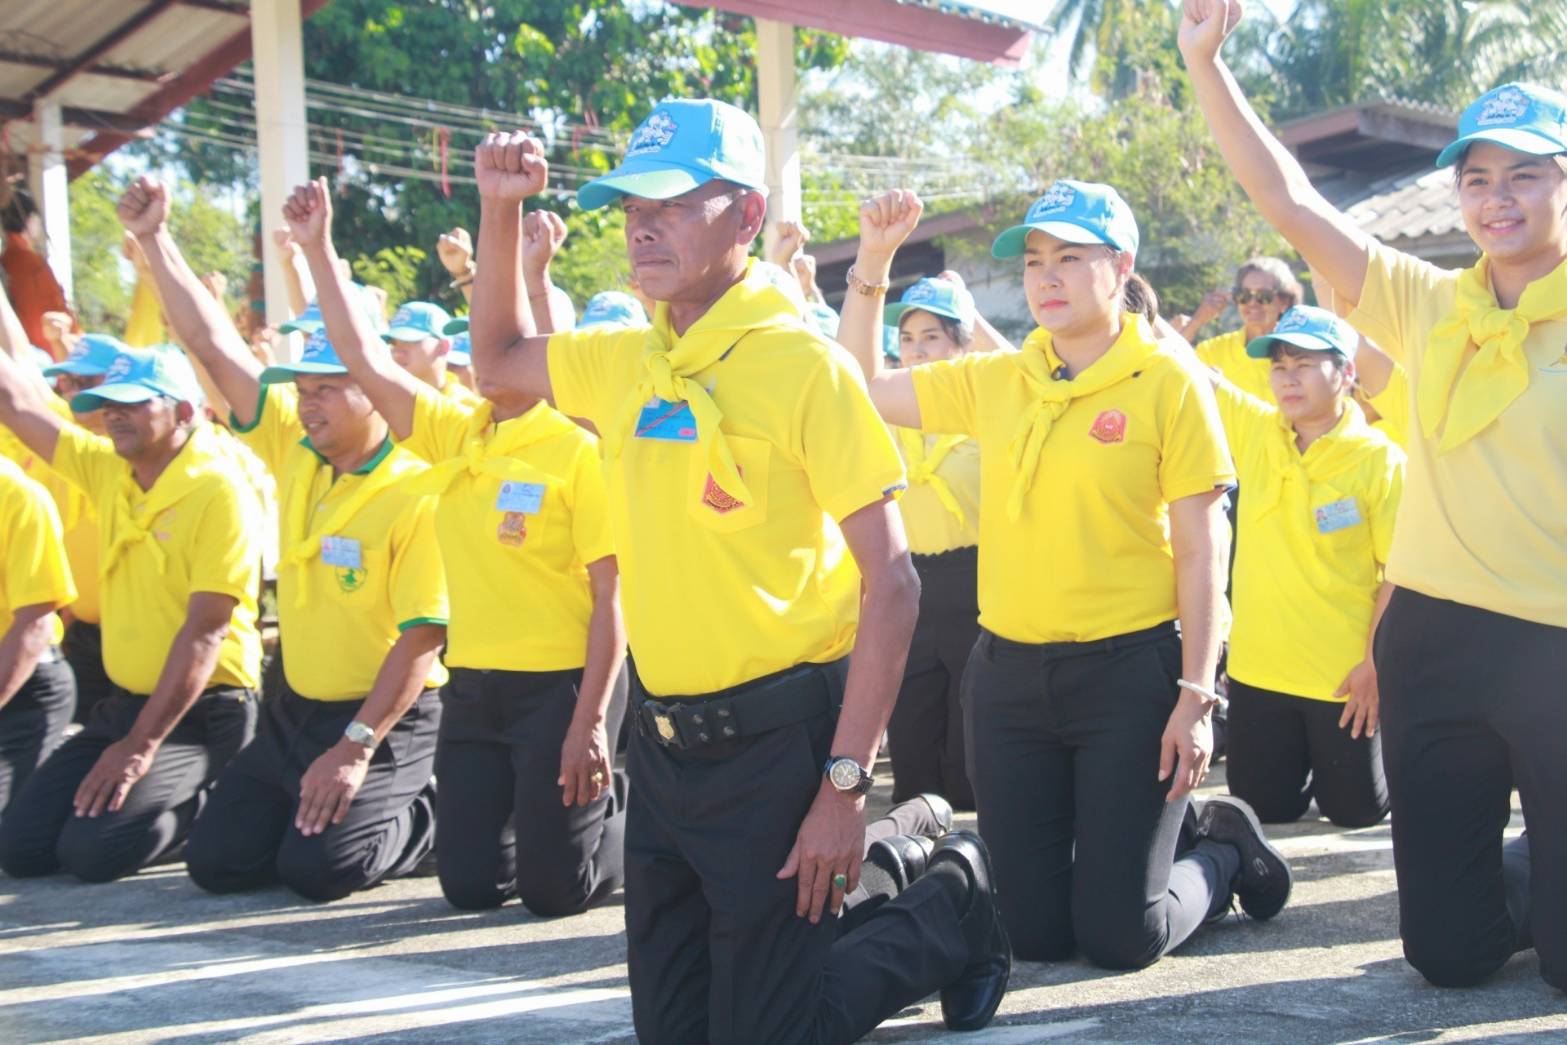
point(845, 775)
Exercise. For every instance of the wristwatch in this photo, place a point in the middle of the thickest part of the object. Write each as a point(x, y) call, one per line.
point(848, 776)
point(359, 733)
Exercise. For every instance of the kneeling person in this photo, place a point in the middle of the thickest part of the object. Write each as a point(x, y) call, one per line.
point(335, 793)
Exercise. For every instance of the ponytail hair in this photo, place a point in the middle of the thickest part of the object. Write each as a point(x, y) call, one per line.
point(1139, 297)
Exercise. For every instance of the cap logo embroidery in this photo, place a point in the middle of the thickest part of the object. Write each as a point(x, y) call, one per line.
point(1058, 197)
point(315, 348)
point(1109, 427)
point(1506, 106)
point(403, 318)
point(656, 132)
point(921, 292)
point(117, 369)
point(1291, 321)
point(715, 498)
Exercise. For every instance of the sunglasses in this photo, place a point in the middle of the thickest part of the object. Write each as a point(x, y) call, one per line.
point(1261, 297)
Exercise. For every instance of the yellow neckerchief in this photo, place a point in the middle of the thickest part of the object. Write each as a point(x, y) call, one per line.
point(1499, 372)
point(669, 363)
point(126, 528)
point(922, 467)
point(387, 468)
point(1330, 454)
point(1038, 362)
point(490, 449)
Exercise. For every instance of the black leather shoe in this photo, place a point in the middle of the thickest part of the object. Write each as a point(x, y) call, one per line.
point(903, 857)
point(940, 808)
point(970, 1001)
point(1262, 885)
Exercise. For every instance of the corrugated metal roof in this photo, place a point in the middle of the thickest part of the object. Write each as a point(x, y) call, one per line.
point(1416, 205)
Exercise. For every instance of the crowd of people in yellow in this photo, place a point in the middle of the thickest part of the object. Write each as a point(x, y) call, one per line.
point(813, 533)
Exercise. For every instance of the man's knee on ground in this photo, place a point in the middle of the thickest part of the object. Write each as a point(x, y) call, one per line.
point(209, 861)
point(1274, 808)
point(467, 889)
point(1035, 942)
point(1121, 949)
point(26, 858)
point(317, 870)
point(1452, 966)
point(86, 850)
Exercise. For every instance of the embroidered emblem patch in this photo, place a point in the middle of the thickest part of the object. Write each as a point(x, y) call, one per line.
point(1505, 106)
point(715, 498)
point(513, 529)
point(350, 578)
point(1057, 198)
point(656, 132)
point(1109, 427)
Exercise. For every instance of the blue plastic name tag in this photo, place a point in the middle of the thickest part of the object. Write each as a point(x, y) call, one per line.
point(671, 422)
point(343, 552)
point(1340, 515)
point(525, 498)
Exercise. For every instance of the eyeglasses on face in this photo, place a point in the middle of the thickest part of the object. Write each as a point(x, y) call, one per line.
point(1245, 296)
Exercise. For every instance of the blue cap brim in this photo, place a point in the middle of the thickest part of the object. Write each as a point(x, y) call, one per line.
point(302, 326)
point(1262, 347)
point(125, 394)
point(651, 183)
point(456, 326)
point(78, 368)
point(1516, 138)
point(1014, 241)
point(895, 311)
point(283, 373)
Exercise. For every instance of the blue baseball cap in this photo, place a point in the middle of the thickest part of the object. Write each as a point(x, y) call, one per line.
point(682, 145)
point(939, 297)
point(823, 318)
point(890, 346)
point(318, 357)
point(1520, 116)
point(138, 375)
point(91, 356)
point(1310, 328)
point(613, 308)
point(1077, 212)
point(417, 320)
point(458, 325)
point(308, 322)
point(461, 351)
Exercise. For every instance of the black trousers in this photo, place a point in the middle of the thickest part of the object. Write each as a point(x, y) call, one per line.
point(83, 649)
point(32, 723)
point(715, 951)
point(1286, 750)
point(1474, 703)
point(498, 761)
point(41, 834)
point(1065, 749)
point(926, 729)
point(246, 839)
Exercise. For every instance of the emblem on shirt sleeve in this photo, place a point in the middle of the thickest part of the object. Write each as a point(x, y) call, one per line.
point(1109, 427)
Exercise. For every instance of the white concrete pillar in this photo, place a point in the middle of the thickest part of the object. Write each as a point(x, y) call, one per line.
point(776, 84)
point(281, 131)
point(51, 190)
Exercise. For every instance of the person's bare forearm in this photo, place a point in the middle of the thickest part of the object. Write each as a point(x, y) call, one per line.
point(887, 616)
point(403, 676)
point(301, 287)
point(24, 407)
point(24, 644)
point(1200, 558)
point(548, 318)
point(13, 336)
point(606, 644)
point(987, 338)
point(860, 319)
point(500, 319)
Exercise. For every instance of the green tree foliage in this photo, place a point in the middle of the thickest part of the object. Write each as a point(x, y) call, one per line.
point(213, 239)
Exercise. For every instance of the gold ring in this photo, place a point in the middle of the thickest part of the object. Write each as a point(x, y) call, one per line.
point(597, 777)
point(840, 881)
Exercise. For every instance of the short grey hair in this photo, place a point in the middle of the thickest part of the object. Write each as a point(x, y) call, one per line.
point(1276, 270)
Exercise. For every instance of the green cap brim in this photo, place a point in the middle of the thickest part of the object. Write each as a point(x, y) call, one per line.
point(1518, 139)
point(895, 311)
point(456, 326)
point(659, 183)
point(1262, 347)
point(305, 326)
point(283, 373)
point(1014, 241)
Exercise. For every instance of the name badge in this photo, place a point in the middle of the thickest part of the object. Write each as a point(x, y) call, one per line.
point(523, 498)
point(1339, 515)
point(670, 422)
point(343, 552)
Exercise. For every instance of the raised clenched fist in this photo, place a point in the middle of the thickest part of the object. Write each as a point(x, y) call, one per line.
point(510, 167)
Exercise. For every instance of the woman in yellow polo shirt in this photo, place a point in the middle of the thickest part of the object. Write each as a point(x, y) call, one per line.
point(1472, 649)
point(1265, 289)
point(1102, 468)
point(935, 320)
point(1314, 532)
point(528, 805)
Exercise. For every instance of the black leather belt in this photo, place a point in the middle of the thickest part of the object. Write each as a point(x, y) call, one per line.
point(1057, 650)
point(772, 702)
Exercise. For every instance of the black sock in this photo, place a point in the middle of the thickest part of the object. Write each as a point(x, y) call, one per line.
point(955, 880)
point(877, 883)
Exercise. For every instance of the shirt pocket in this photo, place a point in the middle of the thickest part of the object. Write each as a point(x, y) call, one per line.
point(719, 510)
point(1338, 519)
point(521, 530)
point(366, 582)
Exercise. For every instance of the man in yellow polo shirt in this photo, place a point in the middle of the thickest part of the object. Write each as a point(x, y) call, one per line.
point(36, 688)
point(743, 455)
point(181, 568)
point(419, 343)
point(1315, 529)
point(335, 794)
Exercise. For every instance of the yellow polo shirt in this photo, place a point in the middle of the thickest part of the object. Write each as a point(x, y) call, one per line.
point(1393, 404)
point(340, 611)
point(1484, 524)
point(1311, 545)
point(1227, 354)
point(195, 530)
point(458, 392)
point(1089, 557)
point(714, 598)
point(927, 507)
point(498, 556)
point(33, 567)
point(76, 516)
